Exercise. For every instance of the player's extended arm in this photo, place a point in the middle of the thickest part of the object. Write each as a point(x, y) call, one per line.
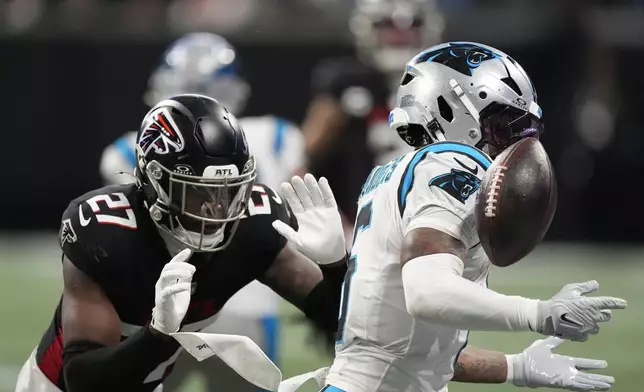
point(476, 365)
point(436, 291)
point(314, 289)
point(94, 359)
point(537, 366)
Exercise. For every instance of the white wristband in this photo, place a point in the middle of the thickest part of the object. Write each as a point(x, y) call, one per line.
point(510, 364)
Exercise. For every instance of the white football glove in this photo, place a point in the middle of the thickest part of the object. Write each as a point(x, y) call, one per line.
point(572, 316)
point(172, 294)
point(320, 235)
point(537, 366)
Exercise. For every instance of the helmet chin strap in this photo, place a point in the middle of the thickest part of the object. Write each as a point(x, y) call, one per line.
point(194, 238)
point(177, 238)
point(458, 90)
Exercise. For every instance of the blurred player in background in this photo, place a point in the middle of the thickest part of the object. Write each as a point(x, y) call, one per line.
point(346, 127)
point(417, 277)
point(207, 64)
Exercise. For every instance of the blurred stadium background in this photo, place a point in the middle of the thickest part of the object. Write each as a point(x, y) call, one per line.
point(72, 75)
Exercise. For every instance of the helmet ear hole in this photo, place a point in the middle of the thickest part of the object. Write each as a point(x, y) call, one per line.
point(406, 79)
point(444, 109)
point(512, 84)
point(176, 112)
point(414, 135)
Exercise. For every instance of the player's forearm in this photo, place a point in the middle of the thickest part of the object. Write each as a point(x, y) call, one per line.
point(322, 305)
point(90, 366)
point(476, 365)
point(314, 289)
point(436, 292)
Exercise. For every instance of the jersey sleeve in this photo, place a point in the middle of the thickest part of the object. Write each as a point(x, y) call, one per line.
point(266, 206)
point(437, 195)
point(97, 248)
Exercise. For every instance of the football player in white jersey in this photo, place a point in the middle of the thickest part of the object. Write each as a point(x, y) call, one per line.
point(206, 63)
point(417, 278)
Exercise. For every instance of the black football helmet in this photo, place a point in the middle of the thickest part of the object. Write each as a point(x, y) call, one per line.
point(196, 170)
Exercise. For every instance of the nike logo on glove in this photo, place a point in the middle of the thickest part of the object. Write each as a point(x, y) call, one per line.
point(564, 317)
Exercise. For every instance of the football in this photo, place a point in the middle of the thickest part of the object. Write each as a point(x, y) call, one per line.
point(516, 202)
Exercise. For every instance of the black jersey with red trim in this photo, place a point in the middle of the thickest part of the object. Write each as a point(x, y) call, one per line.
point(109, 235)
point(362, 93)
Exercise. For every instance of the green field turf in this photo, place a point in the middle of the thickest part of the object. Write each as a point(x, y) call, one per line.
point(30, 287)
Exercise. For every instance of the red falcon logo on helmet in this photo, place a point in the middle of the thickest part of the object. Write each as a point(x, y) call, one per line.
point(161, 133)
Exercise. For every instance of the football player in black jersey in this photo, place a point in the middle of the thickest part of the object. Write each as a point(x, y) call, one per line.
point(208, 64)
point(141, 261)
point(346, 128)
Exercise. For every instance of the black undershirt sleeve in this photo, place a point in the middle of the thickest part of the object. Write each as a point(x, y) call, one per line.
point(322, 305)
point(91, 366)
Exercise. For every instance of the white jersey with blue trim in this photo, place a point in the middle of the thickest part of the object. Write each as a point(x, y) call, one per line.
point(118, 160)
point(278, 147)
point(380, 347)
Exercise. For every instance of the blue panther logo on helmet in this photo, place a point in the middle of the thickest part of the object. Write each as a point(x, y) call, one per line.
point(461, 57)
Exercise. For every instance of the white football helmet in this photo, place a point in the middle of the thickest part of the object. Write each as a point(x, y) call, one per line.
point(467, 92)
point(200, 63)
